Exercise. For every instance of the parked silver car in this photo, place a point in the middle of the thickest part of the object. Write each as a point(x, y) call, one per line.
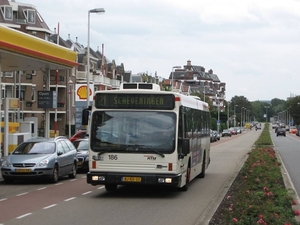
point(41, 157)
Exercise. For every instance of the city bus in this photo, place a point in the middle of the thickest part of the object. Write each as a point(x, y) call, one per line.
point(140, 135)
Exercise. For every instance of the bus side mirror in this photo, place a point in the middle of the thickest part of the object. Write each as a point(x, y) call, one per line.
point(85, 116)
point(185, 146)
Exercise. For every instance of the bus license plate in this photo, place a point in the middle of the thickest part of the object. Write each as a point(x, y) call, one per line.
point(23, 170)
point(131, 179)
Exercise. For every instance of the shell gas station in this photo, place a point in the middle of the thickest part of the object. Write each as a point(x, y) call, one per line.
point(20, 51)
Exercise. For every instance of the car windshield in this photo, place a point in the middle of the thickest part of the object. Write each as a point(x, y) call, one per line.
point(141, 131)
point(82, 145)
point(35, 148)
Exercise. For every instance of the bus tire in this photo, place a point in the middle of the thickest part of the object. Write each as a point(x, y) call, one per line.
point(202, 174)
point(186, 186)
point(111, 187)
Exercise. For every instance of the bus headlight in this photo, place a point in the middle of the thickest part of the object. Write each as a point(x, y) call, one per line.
point(165, 180)
point(98, 178)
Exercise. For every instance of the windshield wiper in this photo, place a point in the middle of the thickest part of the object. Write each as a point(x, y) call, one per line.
point(136, 147)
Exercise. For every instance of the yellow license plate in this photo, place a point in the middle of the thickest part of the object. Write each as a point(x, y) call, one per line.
point(23, 170)
point(79, 163)
point(132, 179)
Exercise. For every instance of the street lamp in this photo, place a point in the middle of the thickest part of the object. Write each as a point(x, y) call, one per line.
point(241, 125)
point(228, 104)
point(174, 67)
point(267, 112)
point(234, 121)
point(218, 105)
point(70, 84)
point(205, 86)
point(98, 11)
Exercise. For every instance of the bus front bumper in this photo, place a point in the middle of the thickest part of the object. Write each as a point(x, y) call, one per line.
point(97, 178)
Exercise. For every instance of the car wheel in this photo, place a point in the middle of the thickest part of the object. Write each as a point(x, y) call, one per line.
point(74, 169)
point(111, 187)
point(54, 177)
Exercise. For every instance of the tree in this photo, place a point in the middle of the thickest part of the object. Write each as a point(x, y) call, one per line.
point(240, 104)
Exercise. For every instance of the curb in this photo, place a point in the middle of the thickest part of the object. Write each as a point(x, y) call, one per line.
point(289, 187)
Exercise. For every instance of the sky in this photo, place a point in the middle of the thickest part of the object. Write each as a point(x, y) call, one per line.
point(252, 45)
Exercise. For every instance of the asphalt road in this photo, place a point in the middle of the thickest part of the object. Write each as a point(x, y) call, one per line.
point(289, 151)
point(75, 202)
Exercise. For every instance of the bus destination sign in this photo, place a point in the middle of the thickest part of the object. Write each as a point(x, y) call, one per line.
point(134, 101)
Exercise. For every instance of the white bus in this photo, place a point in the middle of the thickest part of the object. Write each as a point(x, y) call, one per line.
point(140, 135)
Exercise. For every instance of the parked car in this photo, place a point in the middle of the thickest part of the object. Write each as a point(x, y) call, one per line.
point(233, 131)
point(213, 136)
point(293, 130)
point(78, 135)
point(280, 131)
point(82, 147)
point(217, 134)
point(226, 133)
point(41, 157)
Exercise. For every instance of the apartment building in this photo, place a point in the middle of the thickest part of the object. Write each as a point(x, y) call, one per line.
point(25, 84)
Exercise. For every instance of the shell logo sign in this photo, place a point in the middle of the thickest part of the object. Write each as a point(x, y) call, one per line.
point(81, 92)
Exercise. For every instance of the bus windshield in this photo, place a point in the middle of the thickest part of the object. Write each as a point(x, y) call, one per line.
point(124, 131)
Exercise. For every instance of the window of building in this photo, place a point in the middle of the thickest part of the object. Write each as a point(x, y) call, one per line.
point(7, 12)
point(30, 15)
point(33, 94)
point(7, 74)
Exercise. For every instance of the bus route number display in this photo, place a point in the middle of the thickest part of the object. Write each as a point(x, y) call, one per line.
point(134, 101)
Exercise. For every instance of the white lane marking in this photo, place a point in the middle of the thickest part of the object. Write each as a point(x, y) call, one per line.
point(69, 199)
point(83, 177)
point(3, 199)
point(25, 193)
point(85, 193)
point(49, 206)
point(100, 187)
point(27, 214)
point(42, 188)
point(58, 184)
point(73, 180)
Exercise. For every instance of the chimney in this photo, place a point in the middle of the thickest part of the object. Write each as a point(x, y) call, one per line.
point(210, 71)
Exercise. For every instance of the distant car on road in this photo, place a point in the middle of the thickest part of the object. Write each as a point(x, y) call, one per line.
point(217, 134)
point(226, 133)
point(293, 130)
point(78, 135)
point(281, 131)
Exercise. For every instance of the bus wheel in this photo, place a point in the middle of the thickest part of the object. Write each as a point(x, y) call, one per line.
point(111, 187)
point(185, 187)
point(202, 174)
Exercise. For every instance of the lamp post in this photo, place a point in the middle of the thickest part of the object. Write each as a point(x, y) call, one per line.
point(242, 116)
point(97, 10)
point(70, 84)
point(174, 67)
point(267, 112)
point(234, 121)
point(228, 104)
point(218, 105)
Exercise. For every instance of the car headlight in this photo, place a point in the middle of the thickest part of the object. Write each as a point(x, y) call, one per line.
point(43, 163)
point(6, 163)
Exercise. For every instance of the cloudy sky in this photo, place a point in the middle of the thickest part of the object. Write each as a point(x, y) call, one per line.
point(252, 45)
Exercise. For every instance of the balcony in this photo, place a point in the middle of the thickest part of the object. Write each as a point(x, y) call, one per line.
point(81, 75)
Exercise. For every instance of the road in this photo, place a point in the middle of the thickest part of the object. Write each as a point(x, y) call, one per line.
point(288, 148)
point(75, 202)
